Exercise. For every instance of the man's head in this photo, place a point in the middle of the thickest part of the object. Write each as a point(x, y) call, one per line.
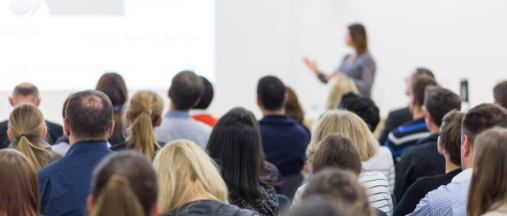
point(477, 120)
point(186, 90)
point(271, 95)
point(500, 93)
point(438, 102)
point(419, 84)
point(207, 95)
point(25, 93)
point(449, 141)
point(417, 71)
point(88, 116)
point(363, 107)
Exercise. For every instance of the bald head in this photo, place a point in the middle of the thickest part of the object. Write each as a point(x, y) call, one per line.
point(25, 93)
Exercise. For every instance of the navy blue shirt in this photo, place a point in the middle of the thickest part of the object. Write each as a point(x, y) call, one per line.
point(284, 142)
point(64, 184)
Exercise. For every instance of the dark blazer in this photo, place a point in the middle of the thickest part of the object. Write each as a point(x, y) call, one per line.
point(54, 131)
point(395, 119)
point(209, 208)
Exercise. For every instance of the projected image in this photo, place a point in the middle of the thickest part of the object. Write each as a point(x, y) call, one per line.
point(66, 7)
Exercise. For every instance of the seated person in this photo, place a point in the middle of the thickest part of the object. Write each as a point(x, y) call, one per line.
point(199, 112)
point(61, 145)
point(294, 110)
point(500, 94)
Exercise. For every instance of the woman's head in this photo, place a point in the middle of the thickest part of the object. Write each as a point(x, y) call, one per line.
point(20, 191)
point(488, 188)
point(184, 171)
point(207, 95)
point(347, 124)
point(340, 86)
point(144, 113)
point(449, 141)
point(124, 184)
point(357, 39)
point(113, 85)
point(27, 130)
point(292, 107)
point(337, 151)
point(236, 146)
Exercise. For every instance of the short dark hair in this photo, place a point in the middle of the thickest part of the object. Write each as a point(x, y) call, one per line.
point(207, 95)
point(113, 85)
point(439, 101)
point(450, 135)
point(89, 114)
point(364, 107)
point(424, 71)
point(500, 93)
point(483, 117)
point(26, 89)
point(337, 151)
point(419, 84)
point(271, 92)
point(186, 88)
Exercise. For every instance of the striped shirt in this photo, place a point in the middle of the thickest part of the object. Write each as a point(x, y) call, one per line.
point(450, 199)
point(382, 163)
point(405, 136)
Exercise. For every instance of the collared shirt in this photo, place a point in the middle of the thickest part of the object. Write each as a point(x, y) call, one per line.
point(447, 200)
point(64, 185)
point(178, 125)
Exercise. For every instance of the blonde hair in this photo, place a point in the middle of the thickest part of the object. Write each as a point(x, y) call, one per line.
point(340, 85)
point(117, 198)
point(184, 170)
point(348, 124)
point(145, 110)
point(26, 125)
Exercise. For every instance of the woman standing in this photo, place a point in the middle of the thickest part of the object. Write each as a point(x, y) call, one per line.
point(359, 65)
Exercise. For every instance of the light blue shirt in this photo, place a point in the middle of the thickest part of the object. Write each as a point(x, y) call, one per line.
point(178, 125)
point(450, 199)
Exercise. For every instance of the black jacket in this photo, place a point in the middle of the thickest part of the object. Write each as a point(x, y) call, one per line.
point(209, 208)
point(395, 119)
point(54, 131)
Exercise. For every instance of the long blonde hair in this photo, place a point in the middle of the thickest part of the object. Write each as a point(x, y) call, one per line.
point(488, 187)
point(145, 110)
point(348, 124)
point(340, 86)
point(26, 125)
point(184, 170)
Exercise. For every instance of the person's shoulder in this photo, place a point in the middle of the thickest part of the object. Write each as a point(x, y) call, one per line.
point(119, 146)
point(202, 126)
point(232, 210)
point(54, 126)
point(400, 112)
point(4, 124)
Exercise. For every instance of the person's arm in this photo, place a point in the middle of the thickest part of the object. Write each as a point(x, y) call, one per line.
point(367, 75)
point(404, 170)
point(423, 208)
point(414, 194)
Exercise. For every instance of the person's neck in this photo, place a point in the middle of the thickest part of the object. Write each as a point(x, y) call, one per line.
point(433, 128)
point(417, 113)
point(449, 166)
point(73, 140)
point(275, 112)
point(172, 108)
point(197, 197)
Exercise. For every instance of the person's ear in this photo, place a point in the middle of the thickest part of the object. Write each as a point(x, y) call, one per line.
point(36, 101)
point(286, 99)
point(11, 101)
point(44, 133)
point(89, 203)
point(466, 147)
point(439, 147)
point(259, 102)
point(11, 138)
point(127, 116)
point(169, 94)
point(66, 128)
point(159, 122)
point(156, 210)
point(111, 129)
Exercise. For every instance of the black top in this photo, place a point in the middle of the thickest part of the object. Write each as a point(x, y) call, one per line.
point(209, 208)
point(419, 189)
point(54, 131)
point(395, 119)
point(421, 160)
point(123, 146)
point(267, 206)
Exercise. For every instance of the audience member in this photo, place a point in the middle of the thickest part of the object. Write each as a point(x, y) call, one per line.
point(235, 145)
point(185, 92)
point(62, 145)
point(449, 144)
point(190, 183)
point(410, 132)
point(338, 151)
point(28, 93)
point(199, 112)
point(294, 110)
point(321, 206)
point(423, 159)
point(500, 94)
point(488, 188)
point(279, 132)
point(27, 131)
point(365, 108)
point(398, 117)
point(452, 198)
point(113, 85)
point(143, 113)
point(64, 184)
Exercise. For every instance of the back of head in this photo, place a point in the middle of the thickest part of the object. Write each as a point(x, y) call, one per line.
point(186, 89)
point(340, 86)
point(439, 101)
point(113, 85)
point(424, 71)
point(359, 38)
point(348, 124)
point(481, 118)
point(419, 84)
point(20, 191)
point(488, 188)
point(336, 151)
point(342, 188)
point(89, 115)
point(26, 125)
point(184, 171)
point(500, 94)
point(144, 110)
point(124, 184)
point(321, 206)
point(25, 93)
point(271, 93)
point(450, 135)
point(293, 108)
point(207, 95)
point(236, 146)
point(364, 107)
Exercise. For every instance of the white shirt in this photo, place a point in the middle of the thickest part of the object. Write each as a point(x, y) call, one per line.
point(382, 163)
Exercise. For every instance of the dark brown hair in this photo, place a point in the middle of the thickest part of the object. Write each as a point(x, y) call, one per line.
point(450, 135)
point(113, 85)
point(124, 184)
point(439, 101)
point(20, 190)
point(337, 151)
point(500, 93)
point(26, 89)
point(186, 88)
point(419, 84)
point(359, 38)
point(483, 117)
point(293, 107)
point(89, 114)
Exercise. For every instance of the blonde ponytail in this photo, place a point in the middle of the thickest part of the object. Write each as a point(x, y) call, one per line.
point(118, 199)
point(38, 156)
